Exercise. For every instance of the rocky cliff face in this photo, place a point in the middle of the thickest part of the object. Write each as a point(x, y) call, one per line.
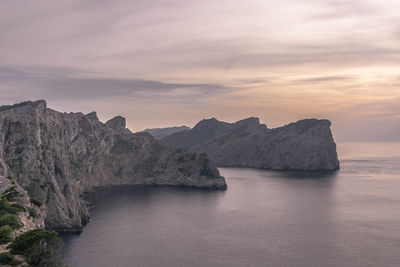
point(303, 145)
point(160, 133)
point(118, 124)
point(58, 156)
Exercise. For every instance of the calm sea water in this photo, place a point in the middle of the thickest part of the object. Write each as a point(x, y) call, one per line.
point(265, 218)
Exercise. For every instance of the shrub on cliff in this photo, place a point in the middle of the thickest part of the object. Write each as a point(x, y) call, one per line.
point(39, 247)
point(17, 208)
point(11, 220)
point(7, 258)
point(6, 207)
point(5, 234)
point(32, 212)
point(35, 202)
point(10, 194)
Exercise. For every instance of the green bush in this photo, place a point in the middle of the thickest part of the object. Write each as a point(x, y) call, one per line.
point(17, 208)
point(10, 194)
point(36, 202)
point(11, 220)
point(7, 258)
point(6, 207)
point(32, 212)
point(5, 234)
point(25, 241)
point(40, 247)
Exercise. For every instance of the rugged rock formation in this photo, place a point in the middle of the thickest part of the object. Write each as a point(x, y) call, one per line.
point(160, 133)
point(303, 145)
point(58, 156)
point(118, 123)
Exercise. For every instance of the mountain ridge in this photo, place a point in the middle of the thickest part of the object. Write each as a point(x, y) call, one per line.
point(160, 133)
point(303, 145)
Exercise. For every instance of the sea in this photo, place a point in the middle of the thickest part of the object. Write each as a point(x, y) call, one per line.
point(265, 218)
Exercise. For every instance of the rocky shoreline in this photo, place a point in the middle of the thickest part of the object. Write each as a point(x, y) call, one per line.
point(58, 157)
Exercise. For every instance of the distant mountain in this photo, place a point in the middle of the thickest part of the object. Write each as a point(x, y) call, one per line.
point(303, 145)
point(160, 133)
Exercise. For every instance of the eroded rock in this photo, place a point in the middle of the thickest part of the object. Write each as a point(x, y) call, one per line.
point(57, 157)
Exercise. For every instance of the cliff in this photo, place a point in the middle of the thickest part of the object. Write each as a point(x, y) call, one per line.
point(303, 145)
point(56, 157)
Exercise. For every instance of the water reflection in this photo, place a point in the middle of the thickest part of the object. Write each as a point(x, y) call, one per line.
point(265, 218)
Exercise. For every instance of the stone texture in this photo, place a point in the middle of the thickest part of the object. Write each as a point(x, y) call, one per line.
point(56, 157)
point(303, 145)
point(118, 124)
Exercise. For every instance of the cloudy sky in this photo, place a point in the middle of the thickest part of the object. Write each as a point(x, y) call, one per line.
point(173, 62)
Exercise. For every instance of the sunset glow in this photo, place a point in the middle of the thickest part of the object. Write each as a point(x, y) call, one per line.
point(280, 61)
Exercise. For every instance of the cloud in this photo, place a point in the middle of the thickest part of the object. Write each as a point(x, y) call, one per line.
point(339, 9)
point(181, 60)
point(73, 84)
point(323, 79)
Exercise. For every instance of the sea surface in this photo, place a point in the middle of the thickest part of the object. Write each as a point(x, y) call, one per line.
point(265, 218)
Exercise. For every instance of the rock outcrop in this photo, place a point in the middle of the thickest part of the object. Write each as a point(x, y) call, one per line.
point(303, 145)
point(160, 133)
point(118, 124)
point(56, 157)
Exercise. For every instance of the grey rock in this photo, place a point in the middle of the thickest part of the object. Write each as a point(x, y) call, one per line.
point(160, 133)
point(56, 157)
point(92, 115)
point(118, 124)
point(303, 145)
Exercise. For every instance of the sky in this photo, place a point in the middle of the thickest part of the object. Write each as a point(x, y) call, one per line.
point(174, 62)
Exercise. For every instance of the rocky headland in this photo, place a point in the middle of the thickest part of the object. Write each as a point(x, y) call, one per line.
point(56, 157)
point(302, 145)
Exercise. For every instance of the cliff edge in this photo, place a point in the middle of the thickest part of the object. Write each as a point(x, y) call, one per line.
point(56, 157)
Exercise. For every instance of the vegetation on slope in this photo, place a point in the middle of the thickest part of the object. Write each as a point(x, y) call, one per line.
point(7, 258)
point(35, 247)
point(39, 247)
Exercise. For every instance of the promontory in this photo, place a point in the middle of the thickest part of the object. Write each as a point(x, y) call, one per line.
point(303, 145)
